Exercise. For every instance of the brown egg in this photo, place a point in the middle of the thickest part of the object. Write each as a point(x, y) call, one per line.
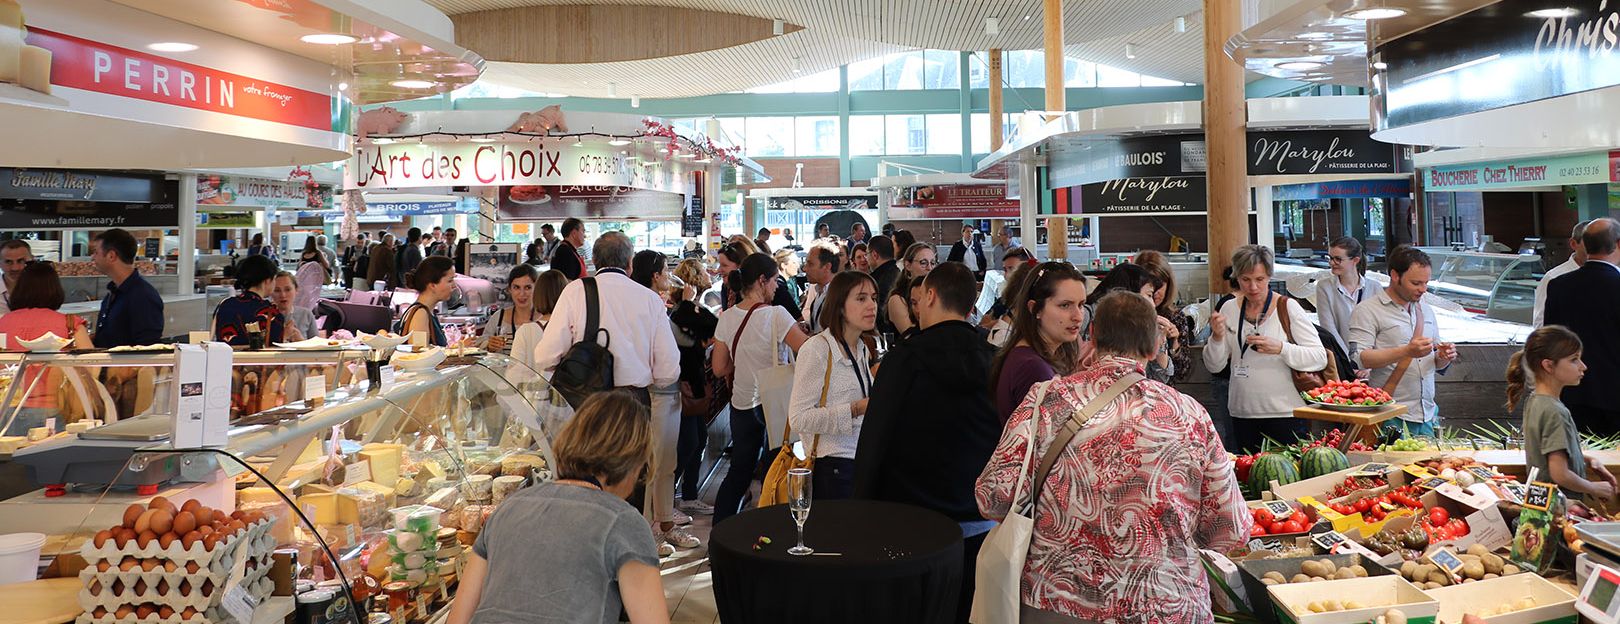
point(123, 536)
point(190, 538)
point(167, 539)
point(188, 613)
point(205, 530)
point(103, 566)
point(95, 588)
point(170, 566)
point(144, 611)
point(148, 565)
point(140, 587)
point(124, 612)
point(162, 521)
point(100, 612)
point(236, 515)
point(131, 514)
point(143, 522)
point(235, 527)
point(165, 612)
point(101, 538)
point(163, 588)
point(191, 568)
point(129, 563)
point(146, 538)
point(204, 515)
point(185, 588)
point(212, 540)
point(161, 502)
point(118, 587)
point(184, 522)
point(190, 505)
point(208, 588)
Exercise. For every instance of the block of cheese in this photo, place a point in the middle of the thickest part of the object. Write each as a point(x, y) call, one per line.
point(312, 452)
point(247, 497)
point(11, 15)
point(385, 460)
point(330, 508)
point(11, 444)
point(34, 69)
point(443, 499)
point(389, 496)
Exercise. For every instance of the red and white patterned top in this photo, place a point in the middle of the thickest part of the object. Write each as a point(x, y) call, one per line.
point(1127, 505)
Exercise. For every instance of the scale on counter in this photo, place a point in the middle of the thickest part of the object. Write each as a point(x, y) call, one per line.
point(102, 455)
point(1598, 598)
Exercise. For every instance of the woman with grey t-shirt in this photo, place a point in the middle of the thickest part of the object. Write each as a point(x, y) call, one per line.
point(572, 550)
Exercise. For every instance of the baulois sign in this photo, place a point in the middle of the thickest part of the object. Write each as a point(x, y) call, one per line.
point(953, 201)
point(1519, 173)
point(1499, 56)
point(514, 163)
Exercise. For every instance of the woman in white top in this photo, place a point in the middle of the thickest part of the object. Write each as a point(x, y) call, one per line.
point(1350, 287)
point(831, 382)
point(1247, 337)
point(517, 330)
point(749, 338)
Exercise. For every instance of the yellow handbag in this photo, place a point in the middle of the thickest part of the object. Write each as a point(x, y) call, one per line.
point(774, 491)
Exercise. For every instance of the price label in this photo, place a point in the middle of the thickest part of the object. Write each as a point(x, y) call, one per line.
point(1418, 473)
point(1330, 541)
point(1484, 474)
point(1265, 544)
point(239, 604)
point(387, 374)
point(1446, 560)
point(357, 472)
point(1432, 483)
point(314, 387)
point(1514, 492)
point(422, 605)
point(1538, 495)
point(1372, 470)
point(1279, 508)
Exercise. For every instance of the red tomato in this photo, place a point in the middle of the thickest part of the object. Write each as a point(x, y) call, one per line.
point(1257, 531)
point(1298, 518)
point(1292, 527)
point(1262, 516)
point(1438, 516)
point(1363, 504)
point(1279, 527)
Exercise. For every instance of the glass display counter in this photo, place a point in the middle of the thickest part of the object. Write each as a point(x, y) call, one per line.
point(1499, 286)
point(374, 492)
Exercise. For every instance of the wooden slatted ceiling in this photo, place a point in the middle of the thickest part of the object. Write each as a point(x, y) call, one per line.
point(838, 32)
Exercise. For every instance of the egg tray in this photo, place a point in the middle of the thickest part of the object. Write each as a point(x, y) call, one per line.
point(173, 597)
point(212, 615)
point(88, 576)
point(198, 552)
point(258, 550)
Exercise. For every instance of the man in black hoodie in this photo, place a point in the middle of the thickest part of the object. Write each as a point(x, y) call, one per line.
point(931, 423)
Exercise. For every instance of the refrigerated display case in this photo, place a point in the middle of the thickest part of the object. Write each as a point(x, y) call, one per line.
point(1499, 286)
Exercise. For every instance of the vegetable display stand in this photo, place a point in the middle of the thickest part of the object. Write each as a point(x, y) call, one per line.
point(1363, 425)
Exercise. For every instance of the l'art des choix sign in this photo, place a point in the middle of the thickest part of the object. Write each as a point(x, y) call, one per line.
point(512, 163)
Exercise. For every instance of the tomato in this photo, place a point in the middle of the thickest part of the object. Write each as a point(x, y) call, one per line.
point(1292, 527)
point(1277, 527)
point(1438, 516)
point(1299, 518)
point(1458, 526)
point(1363, 504)
point(1262, 516)
point(1257, 531)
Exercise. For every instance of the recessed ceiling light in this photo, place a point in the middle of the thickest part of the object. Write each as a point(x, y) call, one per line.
point(171, 46)
point(1377, 13)
point(1552, 13)
point(1300, 65)
point(328, 38)
point(343, 86)
point(413, 84)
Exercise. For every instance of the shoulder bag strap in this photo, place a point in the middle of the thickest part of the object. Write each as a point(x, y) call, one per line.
point(736, 339)
point(1286, 318)
point(826, 384)
point(1020, 504)
point(1080, 419)
point(593, 312)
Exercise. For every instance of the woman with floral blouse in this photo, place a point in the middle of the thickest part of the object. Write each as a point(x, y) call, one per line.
point(1130, 500)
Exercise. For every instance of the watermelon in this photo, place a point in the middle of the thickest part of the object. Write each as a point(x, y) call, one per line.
point(1270, 467)
point(1322, 460)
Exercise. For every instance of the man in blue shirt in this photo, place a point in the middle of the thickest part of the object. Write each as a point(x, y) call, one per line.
point(132, 311)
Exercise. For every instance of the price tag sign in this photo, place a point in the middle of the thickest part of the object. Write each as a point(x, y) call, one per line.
point(1280, 508)
point(1538, 495)
point(1418, 473)
point(1514, 492)
point(1330, 541)
point(357, 472)
point(1372, 470)
point(1265, 544)
point(314, 387)
point(1432, 483)
point(1446, 560)
point(387, 378)
point(239, 604)
point(1484, 474)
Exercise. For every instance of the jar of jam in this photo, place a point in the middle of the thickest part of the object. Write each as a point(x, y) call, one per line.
point(401, 599)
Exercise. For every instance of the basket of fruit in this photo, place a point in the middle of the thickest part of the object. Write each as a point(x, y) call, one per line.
point(1348, 396)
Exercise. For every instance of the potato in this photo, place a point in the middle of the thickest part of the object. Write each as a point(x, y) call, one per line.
point(1394, 616)
point(1328, 568)
point(1409, 569)
point(1332, 605)
point(1474, 570)
point(1432, 586)
point(1510, 570)
point(1493, 563)
point(1524, 603)
point(1359, 571)
point(1300, 578)
point(1351, 605)
point(1421, 572)
point(1269, 581)
point(1318, 579)
point(1439, 577)
point(1489, 576)
point(1311, 568)
point(1316, 607)
point(1344, 573)
point(1269, 575)
point(1479, 550)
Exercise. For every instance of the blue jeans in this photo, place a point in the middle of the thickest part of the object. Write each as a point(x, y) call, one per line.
point(833, 478)
point(689, 455)
point(1220, 391)
point(747, 444)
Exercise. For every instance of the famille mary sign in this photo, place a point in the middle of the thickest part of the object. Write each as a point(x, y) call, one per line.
point(511, 163)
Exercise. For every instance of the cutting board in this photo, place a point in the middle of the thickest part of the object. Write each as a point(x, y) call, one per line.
point(50, 601)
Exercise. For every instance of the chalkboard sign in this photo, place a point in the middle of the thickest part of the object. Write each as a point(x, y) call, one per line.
point(1371, 470)
point(1482, 472)
point(692, 220)
point(1280, 509)
point(1329, 541)
point(1432, 483)
point(153, 248)
point(1514, 492)
point(1446, 560)
point(1538, 495)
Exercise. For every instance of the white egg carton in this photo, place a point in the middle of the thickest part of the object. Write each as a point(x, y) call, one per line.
point(89, 576)
point(110, 552)
point(213, 615)
point(187, 591)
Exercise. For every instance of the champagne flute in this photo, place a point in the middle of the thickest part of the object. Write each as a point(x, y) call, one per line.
point(798, 483)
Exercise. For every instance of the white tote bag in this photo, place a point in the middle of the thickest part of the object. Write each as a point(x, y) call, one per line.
point(775, 386)
point(998, 576)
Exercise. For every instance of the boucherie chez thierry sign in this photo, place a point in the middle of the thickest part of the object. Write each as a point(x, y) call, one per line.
point(512, 163)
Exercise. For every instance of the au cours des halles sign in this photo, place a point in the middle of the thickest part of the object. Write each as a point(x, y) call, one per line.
point(512, 163)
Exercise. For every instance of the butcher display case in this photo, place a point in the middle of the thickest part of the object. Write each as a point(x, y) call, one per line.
point(1499, 286)
point(371, 489)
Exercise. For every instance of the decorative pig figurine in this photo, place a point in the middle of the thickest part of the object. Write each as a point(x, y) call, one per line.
point(543, 120)
point(385, 120)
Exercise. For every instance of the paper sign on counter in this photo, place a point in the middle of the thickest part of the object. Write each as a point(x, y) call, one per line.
point(387, 375)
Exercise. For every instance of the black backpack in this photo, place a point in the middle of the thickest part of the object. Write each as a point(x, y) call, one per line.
point(587, 367)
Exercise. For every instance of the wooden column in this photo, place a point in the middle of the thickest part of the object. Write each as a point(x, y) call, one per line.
point(996, 112)
point(1057, 229)
point(1224, 121)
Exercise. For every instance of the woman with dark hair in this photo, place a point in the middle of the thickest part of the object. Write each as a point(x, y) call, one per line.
point(34, 304)
point(832, 380)
point(860, 259)
point(904, 239)
point(919, 259)
point(730, 258)
point(433, 279)
point(745, 346)
point(258, 248)
point(503, 325)
point(1047, 312)
point(650, 268)
point(532, 255)
point(1337, 297)
point(312, 272)
point(250, 311)
point(701, 390)
point(381, 268)
point(460, 258)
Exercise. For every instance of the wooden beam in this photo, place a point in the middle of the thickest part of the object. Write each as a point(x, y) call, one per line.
point(1057, 229)
point(995, 99)
point(1225, 117)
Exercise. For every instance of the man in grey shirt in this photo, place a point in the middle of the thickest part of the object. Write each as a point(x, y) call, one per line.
point(1396, 326)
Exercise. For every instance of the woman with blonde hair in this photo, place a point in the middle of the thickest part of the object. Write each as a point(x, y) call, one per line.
point(1177, 326)
point(578, 523)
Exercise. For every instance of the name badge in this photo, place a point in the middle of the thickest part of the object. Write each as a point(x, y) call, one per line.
point(1241, 372)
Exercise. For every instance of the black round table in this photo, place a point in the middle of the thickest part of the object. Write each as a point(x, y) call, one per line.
point(894, 563)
